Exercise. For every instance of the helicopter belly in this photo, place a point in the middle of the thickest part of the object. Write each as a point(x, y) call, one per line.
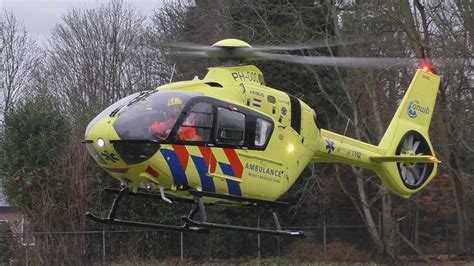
point(221, 170)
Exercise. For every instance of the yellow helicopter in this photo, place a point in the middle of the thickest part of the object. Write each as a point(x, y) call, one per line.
point(230, 139)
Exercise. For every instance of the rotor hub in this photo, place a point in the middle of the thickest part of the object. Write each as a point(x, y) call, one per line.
point(231, 43)
point(409, 153)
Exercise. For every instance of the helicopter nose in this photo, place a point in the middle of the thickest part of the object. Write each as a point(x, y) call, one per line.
point(107, 147)
point(129, 151)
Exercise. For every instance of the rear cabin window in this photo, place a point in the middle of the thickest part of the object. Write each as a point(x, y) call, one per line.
point(262, 132)
point(230, 128)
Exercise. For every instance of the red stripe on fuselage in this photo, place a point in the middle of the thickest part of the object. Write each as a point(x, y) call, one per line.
point(235, 162)
point(183, 155)
point(152, 171)
point(209, 158)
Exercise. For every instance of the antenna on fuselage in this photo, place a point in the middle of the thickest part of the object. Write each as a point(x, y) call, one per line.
point(347, 125)
point(345, 130)
point(172, 72)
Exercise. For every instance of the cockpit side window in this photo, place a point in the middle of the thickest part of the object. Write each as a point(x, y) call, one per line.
point(197, 124)
point(230, 129)
point(151, 116)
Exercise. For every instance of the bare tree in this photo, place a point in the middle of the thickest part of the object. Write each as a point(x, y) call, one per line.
point(17, 59)
point(369, 105)
point(99, 55)
point(440, 32)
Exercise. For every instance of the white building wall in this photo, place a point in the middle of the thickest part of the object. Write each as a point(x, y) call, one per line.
point(3, 201)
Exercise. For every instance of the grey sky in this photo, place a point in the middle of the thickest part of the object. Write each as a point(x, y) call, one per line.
point(39, 16)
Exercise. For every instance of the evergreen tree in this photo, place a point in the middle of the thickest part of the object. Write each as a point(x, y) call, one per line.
point(34, 133)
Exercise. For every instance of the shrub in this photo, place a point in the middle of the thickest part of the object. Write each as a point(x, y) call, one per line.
point(335, 252)
point(6, 241)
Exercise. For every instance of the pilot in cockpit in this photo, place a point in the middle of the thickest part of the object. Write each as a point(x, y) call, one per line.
point(162, 129)
point(187, 131)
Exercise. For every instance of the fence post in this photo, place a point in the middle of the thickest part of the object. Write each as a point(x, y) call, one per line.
point(103, 245)
point(27, 255)
point(182, 249)
point(278, 242)
point(380, 225)
point(258, 237)
point(398, 238)
point(324, 235)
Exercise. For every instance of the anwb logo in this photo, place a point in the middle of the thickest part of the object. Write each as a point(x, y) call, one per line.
point(415, 106)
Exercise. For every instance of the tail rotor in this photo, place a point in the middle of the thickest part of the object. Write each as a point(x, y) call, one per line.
point(414, 174)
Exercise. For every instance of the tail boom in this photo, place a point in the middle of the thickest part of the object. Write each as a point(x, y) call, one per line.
point(404, 159)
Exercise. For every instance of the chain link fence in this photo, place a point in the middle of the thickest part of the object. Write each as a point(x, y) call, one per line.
point(106, 246)
point(86, 247)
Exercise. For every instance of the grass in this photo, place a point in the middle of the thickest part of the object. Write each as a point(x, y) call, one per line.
point(242, 262)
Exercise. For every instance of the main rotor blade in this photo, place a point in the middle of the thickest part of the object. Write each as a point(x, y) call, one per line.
point(195, 54)
point(304, 46)
point(350, 62)
point(190, 46)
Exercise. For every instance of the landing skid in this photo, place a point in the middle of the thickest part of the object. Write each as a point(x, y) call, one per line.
point(125, 192)
point(268, 204)
point(190, 224)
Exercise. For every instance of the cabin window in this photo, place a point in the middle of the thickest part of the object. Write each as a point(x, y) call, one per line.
point(295, 113)
point(230, 128)
point(262, 132)
point(197, 124)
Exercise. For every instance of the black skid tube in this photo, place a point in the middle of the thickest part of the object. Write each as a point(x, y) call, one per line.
point(113, 210)
point(243, 228)
point(191, 225)
point(202, 223)
point(182, 228)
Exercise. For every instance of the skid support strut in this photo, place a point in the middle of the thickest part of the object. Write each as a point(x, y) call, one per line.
point(202, 223)
point(113, 210)
point(190, 224)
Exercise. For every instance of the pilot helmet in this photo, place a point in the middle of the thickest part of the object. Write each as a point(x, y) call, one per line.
point(175, 101)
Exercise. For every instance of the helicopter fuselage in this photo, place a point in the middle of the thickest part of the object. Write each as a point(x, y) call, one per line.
point(230, 139)
point(236, 136)
point(235, 157)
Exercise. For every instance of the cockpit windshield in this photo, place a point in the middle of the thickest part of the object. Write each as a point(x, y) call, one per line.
point(152, 115)
point(111, 110)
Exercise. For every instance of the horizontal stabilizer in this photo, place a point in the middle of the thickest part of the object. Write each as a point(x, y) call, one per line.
point(405, 159)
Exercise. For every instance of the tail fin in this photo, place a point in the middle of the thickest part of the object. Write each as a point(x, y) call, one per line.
point(409, 163)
